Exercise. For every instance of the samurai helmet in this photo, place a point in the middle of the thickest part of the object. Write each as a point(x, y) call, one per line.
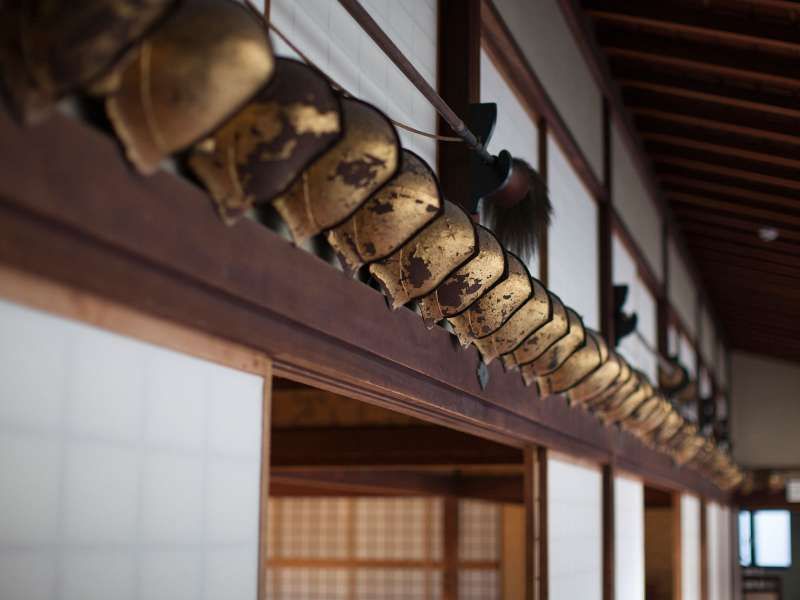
point(265, 146)
point(616, 402)
point(647, 416)
point(643, 392)
point(468, 283)
point(342, 179)
point(392, 215)
point(577, 367)
point(598, 382)
point(668, 428)
point(554, 357)
point(426, 260)
point(532, 315)
point(541, 339)
point(54, 47)
point(491, 311)
point(603, 399)
point(188, 77)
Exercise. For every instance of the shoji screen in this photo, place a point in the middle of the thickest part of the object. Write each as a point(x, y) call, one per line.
point(640, 301)
point(690, 547)
point(479, 542)
point(682, 293)
point(515, 130)
point(572, 252)
point(629, 538)
point(687, 354)
point(720, 554)
point(574, 505)
point(329, 36)
point(126, 470)
point(708, 340)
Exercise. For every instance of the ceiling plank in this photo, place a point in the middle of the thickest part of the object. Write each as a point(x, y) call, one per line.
point(705, 167)
point(737, 249)
point(710, 34)
point(698, 230)
point(734, 207)
point(743, 259)
point(729, 221)
point(726, 150)
point(729, 190)
point(699, 66)
point(677, 118)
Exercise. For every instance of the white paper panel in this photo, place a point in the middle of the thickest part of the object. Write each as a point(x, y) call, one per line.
point(572, 251)
point(690, 547)
point(515, 131)
point(629, 538)
point(682, 293)
point(574, 506)
point(329, 36)
point(640, 301)
point(687, 355)
point(546, 40)
point(126, 470)
point(708, 340)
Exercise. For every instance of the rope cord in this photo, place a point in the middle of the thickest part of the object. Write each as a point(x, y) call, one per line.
point(337, 85)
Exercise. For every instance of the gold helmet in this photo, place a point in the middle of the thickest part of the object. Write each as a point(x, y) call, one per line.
point(342, 179)
point(647, 416)
point(456, 293)
point(203, 64)
point(422, 263)
point(557, 353)
point(543, 338)
point(53, 48)
point(668, 428)
point(643, 392)
point(688, 449)
point(532, 315)
point(491, 311)
point(598, 382)
point(265, 146)
point(577, 367)
point(601, 401)
point(615, 404)
point(391, 217)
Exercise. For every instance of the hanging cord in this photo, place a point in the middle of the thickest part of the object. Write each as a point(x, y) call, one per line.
point(337, 85)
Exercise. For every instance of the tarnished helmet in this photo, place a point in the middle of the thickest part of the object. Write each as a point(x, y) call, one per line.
point(535, 312)
point(615, 404)
point(342, 179)
point(543, 338)
point(392, 216)
point(455, 294)
point(190, 75)
point(53, 48)
point(265, 146)
point(603, 400)
point(643, 392)
point(491, 311)
point(427, 259)
point(577, 367)
point(598, 382)
point(558, 352)
point(647, 416)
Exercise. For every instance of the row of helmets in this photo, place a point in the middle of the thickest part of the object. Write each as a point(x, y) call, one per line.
point(198, 77)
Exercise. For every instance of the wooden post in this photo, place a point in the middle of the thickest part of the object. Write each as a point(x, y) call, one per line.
point(541, 580)
point(543, 173)
point(609, 530)
point(604, 249)
point(529, 494)
point(451, 522)
point(459, 85)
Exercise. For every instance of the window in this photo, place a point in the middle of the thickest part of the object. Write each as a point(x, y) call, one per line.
point(765, 538)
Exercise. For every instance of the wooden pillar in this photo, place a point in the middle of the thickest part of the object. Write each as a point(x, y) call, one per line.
point(459, 81)
point(543, 249)
point(529, 494)
point(541, 583)
point(604, 221)
point(609, 529)
point(451, 522)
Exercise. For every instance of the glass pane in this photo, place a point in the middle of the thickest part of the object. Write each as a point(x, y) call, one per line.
point(772, 529)
point(745, 539)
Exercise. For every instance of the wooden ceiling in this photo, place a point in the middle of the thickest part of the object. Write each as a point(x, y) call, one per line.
point(714, 90)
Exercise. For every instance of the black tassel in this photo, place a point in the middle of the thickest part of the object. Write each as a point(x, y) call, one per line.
point(521, 225)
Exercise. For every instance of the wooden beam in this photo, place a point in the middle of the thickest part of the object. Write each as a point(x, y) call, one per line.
point(747, 240)
point(737, 249)
point(699, 66)
point(711, 257)
point(451, 537)
point(705, 167)
point(727, 220)
point(695, 182)
point(666, 24)
point(530, 483)
point(384, 446)
point(609, 533)
point(700, 124)
point(762, 215)
point(542, 523)
point(605, 221)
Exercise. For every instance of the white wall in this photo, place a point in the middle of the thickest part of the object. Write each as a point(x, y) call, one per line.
point(682, 293)
point(634, 203)
point(515, 130)
point(326, 33)
point(574, 505)
point(765, 411)
point(545, 38)
point(690, 547)
point(720, 553)
point(708, 339)
point(640, 301)
point(126, 470)
point(629, 538)
point(572, 241)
